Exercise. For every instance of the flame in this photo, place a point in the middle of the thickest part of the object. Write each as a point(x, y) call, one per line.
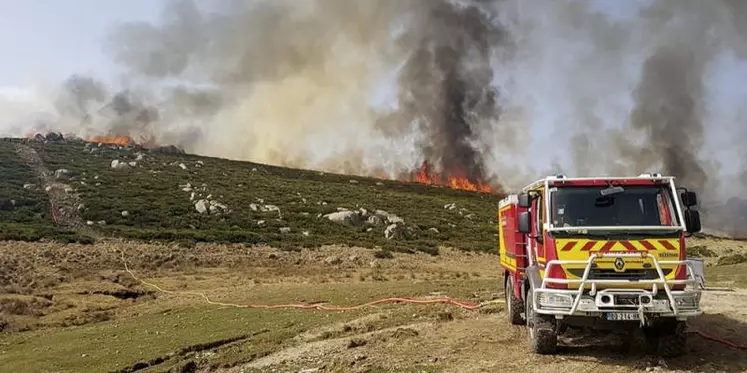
point(425, 175)
point(112, 140)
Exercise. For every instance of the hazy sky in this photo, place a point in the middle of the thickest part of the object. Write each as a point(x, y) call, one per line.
point(50, 39)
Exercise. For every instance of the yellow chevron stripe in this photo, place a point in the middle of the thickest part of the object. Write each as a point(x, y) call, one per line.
point(596, 246)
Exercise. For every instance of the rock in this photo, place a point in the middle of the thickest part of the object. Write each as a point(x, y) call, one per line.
point(80, 207)
point(69, 190)
point(117, 165)
point(125, 213)
point(182, 166)
point(348, 218)
point(393, 232)
point(306, 233)
point(192, 196)
point(47, 189)
point(253, 206)
point(54, 137)
point(469, 216)
point(89, 223)
point(268, 208)
point(139, 157)
point(381, 213)
point(132, 164)
point(260, 222)
point(394, 219)
point(379, 183)
point(434, 230)
point(339, 209)
point(201, 206)
point(285, 230)
point(375, 220)
point(353, 181)
point(217, 207)
point(62, 174)
point(28, 186)
point(450, 206)
point(363, 213)
point(101, 222)
point(171, 149)
point(369, 229)
point(332, 260)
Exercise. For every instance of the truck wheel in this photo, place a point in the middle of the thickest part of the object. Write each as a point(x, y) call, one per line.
point(514, 306)
point(542, 329)
point(672, 339)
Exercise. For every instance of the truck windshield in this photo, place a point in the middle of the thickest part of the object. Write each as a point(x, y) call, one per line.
point(649, 205)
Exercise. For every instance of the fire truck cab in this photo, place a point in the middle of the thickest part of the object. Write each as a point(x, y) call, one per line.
point(602, 253)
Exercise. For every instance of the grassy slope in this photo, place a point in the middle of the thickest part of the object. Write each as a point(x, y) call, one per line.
point(160, 210)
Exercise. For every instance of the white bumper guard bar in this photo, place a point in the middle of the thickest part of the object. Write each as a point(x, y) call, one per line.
point(632, 304)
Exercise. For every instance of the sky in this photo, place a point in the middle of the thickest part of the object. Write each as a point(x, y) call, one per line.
point(50, 39)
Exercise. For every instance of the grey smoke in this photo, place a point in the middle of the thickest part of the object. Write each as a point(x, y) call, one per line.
point(500, 90)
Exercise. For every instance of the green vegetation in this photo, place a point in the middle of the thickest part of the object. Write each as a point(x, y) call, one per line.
point(159, 210)
point(25, 213)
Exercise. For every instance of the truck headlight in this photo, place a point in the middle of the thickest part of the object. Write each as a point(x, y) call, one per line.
point(687, 301)
point(554, 300)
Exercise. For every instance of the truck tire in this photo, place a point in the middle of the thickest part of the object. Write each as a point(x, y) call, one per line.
point(514, 305)
point(541, 329)
point(672, 339)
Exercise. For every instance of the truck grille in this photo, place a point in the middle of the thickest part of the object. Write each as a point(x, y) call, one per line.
point(610, 274)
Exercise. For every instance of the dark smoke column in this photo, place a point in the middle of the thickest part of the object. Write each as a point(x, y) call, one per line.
point(445, 84)
point(668, 109)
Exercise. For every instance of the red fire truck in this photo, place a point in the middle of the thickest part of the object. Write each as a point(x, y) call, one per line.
point(602, 253)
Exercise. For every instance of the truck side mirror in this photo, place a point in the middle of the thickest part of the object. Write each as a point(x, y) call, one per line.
point(692, 221)
point(525, 222)
point(689, 199)
point(524, 200)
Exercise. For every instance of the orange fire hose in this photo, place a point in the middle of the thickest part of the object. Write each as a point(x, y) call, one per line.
point(722, 341)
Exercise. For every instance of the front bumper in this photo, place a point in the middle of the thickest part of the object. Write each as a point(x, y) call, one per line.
point(660, 301)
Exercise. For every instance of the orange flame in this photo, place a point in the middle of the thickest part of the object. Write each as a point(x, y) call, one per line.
point(425, 175)
point(112, 140)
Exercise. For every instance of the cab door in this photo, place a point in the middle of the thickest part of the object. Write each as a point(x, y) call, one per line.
point(536, 242)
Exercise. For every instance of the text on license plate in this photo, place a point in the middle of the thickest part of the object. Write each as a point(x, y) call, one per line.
point(622, 316)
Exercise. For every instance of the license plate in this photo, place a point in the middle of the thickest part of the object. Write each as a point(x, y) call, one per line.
point(622, 316)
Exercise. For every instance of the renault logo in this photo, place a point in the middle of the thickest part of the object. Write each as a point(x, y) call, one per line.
point(619, 264)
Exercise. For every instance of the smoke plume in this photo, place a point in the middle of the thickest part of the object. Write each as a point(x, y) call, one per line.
point(493, 91)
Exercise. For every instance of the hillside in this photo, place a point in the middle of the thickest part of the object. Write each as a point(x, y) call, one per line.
point(133, 193)
point(124, 287)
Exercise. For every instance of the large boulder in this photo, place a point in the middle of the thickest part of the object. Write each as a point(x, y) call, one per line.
point(348, 218)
